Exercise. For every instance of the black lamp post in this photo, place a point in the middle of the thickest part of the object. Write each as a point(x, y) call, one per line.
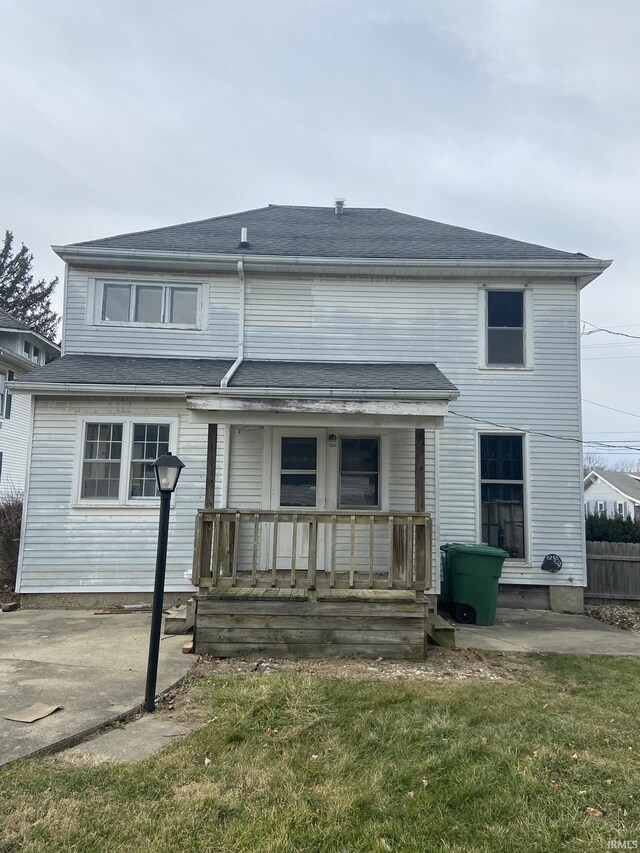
point(167, 470)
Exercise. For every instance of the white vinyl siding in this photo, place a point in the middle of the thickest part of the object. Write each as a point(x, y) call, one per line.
point(217, 336)
point(14, 437)
point(379, 320)
point(95, 549)
point(602, 497)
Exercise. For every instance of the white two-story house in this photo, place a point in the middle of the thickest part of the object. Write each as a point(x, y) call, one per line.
point(21, 351)
point(349, 388)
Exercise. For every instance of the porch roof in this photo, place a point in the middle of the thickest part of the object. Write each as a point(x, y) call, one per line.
point(117, 374)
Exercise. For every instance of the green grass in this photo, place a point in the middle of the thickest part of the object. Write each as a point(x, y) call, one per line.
point(299, 763)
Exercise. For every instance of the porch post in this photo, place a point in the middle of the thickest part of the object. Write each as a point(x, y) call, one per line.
point(421, 532)
point(212, 454)
point(209, 501)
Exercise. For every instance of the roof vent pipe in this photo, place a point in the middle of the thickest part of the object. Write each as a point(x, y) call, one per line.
point(244, 238)
point(339, 206)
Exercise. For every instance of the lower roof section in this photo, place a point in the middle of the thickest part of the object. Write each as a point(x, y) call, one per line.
point(117, 374)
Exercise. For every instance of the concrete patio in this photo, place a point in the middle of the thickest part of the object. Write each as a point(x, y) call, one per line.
point(545, 631)
point(93, 666)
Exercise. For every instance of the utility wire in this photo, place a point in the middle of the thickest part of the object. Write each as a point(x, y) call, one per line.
point(595, 329)
point(547, 434)
point(611, 409)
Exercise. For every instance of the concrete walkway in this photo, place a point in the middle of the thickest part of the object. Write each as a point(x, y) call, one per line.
point(94, 666)
point(544, 631)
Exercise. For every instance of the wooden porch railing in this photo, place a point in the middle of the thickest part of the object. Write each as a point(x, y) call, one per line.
point(222, 534)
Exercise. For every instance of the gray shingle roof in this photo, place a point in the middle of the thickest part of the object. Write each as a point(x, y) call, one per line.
point(340, 375)
point(624, 482)
point(117, 370)
point(185, 372)
point(360, 232)
point(8, 321)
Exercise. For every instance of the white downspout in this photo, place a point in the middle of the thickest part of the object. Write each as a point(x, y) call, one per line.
point(236, 364)
point(225, 381)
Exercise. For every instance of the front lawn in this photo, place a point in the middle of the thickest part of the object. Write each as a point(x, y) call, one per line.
point(292, 762)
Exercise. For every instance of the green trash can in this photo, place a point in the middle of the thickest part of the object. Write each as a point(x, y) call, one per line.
point(471, 574)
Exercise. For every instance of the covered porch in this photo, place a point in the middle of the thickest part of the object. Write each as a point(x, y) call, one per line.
point(335, 551)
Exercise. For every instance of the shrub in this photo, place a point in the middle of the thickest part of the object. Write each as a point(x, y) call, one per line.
point(10, 524)
point(599, 528)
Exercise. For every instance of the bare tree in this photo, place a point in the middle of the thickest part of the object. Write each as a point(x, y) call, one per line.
point(591, 461)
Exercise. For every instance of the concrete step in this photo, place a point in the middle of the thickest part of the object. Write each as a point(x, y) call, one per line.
point(179, 620)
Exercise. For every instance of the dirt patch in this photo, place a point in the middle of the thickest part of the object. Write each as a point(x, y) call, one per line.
point(624, 616)
point(440, 665)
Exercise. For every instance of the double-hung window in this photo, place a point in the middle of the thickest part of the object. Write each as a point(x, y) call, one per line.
point(149, 304)
point(505, 331)
point(117, 460)
point(502, 493)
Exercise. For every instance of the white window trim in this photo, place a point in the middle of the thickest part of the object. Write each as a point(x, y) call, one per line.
point(510, 562)
point(620, 509)
point(600, 507)
point(328, 462)
point(3, 392)
point(95, 301)
point(123, 499)
point(528, 317)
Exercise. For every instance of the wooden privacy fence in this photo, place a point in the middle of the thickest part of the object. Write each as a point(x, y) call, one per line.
point(357, 550)
point(613, 572)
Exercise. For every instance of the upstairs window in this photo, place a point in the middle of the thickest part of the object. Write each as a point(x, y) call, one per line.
point(149, 304)
point(505, 328)
point(35, 355)
point(27, 349)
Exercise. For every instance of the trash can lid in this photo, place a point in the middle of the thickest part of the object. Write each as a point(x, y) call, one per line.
point(485, 550)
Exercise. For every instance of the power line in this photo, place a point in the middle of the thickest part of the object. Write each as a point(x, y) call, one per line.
point(611, 409)
point(611, 357)
point(547, 434)
point(595, 329)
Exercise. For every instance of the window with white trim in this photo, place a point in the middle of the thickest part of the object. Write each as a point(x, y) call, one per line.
point(117, 460)
point(602, 508)
point(505, 328)
point(359, 480)
point(620, 509)
point(502, 493)
point(5, 396)
point(153, 304)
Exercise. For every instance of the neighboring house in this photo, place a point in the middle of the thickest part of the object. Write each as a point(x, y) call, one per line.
point(21, 350)
point(612, 493)
point(360, 385)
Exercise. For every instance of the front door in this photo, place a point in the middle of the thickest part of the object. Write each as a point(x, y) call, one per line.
point(297, 483)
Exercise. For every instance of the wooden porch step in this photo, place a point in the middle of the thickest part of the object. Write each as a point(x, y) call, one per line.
point(441, 632)
point(257, 593)
point(384, 596)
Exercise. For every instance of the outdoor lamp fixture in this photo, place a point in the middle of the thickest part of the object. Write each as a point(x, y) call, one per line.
point(167, 468)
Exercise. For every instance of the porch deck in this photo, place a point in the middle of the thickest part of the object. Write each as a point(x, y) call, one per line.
point(361, 593)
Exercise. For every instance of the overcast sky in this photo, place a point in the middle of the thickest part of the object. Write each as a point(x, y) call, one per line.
point(517, 117)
